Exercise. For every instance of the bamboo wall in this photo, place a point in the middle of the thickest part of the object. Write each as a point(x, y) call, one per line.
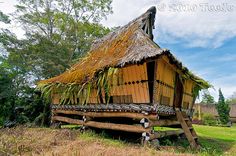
point(130, 85)
point(164, 85)
point(188, 96)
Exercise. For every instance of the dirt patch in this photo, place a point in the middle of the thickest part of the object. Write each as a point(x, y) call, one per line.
point(61, 142)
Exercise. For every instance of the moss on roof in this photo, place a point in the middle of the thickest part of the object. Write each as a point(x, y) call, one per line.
point(127, 45)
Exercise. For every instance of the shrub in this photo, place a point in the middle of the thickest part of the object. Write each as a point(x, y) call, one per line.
point(209, 119)
point(223, 109)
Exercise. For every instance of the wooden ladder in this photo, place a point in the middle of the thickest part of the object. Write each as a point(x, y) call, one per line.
point(188, 129)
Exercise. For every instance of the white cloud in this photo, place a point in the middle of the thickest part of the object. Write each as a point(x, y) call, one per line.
point(7, 7)
point(226, 83)
point(199, 27)
point(185, 21)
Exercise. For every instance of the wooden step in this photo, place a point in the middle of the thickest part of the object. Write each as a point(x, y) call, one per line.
point(188, 129)
point(186, 119)
point(195, 137)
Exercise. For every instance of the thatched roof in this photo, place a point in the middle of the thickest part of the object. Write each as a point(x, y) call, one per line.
point(127, 45)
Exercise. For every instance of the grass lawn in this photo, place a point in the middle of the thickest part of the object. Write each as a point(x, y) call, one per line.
point(47, 141)
point(217, 140)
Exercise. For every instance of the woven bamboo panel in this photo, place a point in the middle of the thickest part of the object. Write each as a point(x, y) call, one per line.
point(165, 77)
point(131, 82)
point(187, 97)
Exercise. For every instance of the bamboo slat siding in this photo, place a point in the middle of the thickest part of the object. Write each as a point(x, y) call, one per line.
point(165, 78)
point(187, 96)
point(131, 82)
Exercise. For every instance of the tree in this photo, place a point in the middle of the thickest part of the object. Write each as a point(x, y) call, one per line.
point(59, 32)
point(223, 108)
point(232, 99)
point(7, 98)
point(207, 98)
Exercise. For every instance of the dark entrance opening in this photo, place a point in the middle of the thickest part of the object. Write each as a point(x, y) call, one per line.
point(179, 89)
point(150, 74)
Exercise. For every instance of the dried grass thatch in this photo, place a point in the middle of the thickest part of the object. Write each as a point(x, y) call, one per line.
point(127, 45)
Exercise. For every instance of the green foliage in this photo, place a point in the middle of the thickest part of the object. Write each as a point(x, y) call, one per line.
point(232, 99)
point(209, 119)
point(4, 18)
point(57, 33)
point(207, 98)
point(223, 108)
point(70, 93)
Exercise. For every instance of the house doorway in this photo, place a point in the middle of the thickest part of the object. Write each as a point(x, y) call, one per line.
point(179, 90)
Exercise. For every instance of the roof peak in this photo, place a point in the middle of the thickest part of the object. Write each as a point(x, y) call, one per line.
point(152, 9)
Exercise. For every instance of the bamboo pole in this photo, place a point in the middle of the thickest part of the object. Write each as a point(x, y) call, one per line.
point(102, 125)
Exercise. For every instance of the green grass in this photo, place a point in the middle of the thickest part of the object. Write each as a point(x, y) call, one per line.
point(164, 128)
point(71, 126)
point(92, 136)
point(213, 140)
point(217, 140)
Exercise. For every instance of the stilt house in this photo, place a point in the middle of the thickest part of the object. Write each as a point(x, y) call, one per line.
point(127, 82)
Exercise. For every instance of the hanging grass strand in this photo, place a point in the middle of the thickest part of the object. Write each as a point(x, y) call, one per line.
point(74, 93)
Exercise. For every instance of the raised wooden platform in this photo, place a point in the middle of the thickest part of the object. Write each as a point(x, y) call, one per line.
point(138, 121)
point(138, 108)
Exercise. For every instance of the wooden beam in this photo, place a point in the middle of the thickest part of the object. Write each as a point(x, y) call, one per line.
point(108, 114)
point(162, 122)
point(102, 125)
point(161, 134)
point(67, 120)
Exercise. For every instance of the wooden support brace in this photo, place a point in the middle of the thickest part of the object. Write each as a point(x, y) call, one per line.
point(86, 118)
point(160, 134)
point(146, 123)
point(103, 125)
point(137, 116)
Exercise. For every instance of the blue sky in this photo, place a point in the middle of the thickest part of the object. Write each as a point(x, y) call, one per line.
point(200, 33)
point(216, 65)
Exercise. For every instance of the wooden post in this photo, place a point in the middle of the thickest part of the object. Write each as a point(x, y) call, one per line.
point(146, 123)
point(199, 112)
point(103, 125)
point(161, 134)
point(137, 116)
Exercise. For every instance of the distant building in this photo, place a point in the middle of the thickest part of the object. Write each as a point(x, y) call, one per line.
point(211, 109)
